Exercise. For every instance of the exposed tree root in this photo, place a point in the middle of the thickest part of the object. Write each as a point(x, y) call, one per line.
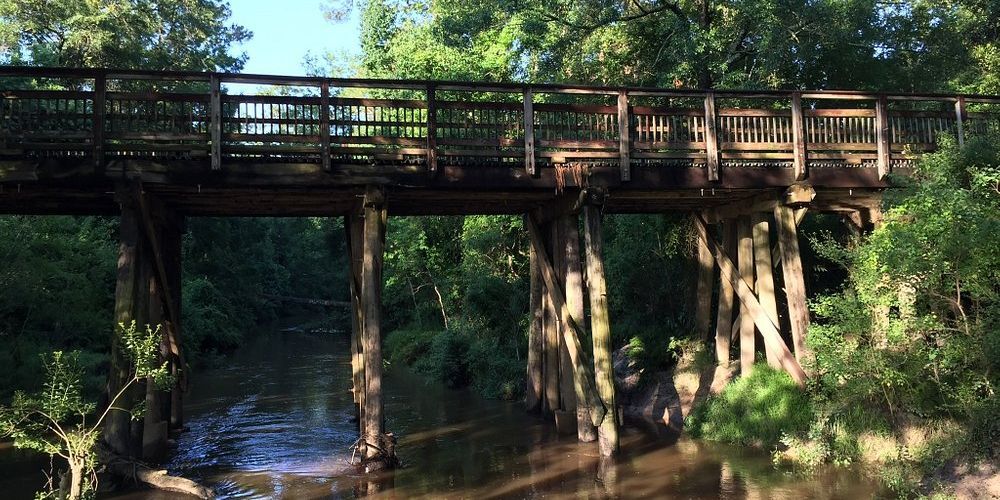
point(155, 478)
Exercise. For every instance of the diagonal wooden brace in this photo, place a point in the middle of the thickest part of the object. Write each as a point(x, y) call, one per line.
point(582, 373)
point(768, 330)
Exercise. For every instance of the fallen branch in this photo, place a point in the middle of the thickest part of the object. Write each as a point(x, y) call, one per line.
point(156, 478)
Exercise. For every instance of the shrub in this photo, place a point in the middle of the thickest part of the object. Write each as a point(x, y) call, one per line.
point(754, 410)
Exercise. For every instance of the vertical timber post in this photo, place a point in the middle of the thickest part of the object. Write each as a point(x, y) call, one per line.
point(354, 235)
point(745, 263)
point(534, 390)
point(567, 392)
point(550, 350)
point(324, 124)
point(882, 133)
point(529, 133)
point(960, 120)
point(791, 271)
point(100, 101)
point(711, 138)
point(432, 163)
point(215, 120)
point(128, 289)
point(765, 276)
point(703, 307)
point(173, 239)
point(379, 452)
point(798, 139)
point(573, 279)
point(607, 431)
point(624, 139)
point(724, 319)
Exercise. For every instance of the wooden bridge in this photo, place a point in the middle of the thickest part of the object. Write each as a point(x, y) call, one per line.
point(156, 147)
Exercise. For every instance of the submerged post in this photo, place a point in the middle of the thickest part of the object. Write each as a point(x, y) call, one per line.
point(377, 446)
point(600, 324)
point(354, 233)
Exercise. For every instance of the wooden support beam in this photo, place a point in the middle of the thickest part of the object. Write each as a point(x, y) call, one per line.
point(744, 236)
point(573, 278)
point(600, 325)
point(529, 133)
point(724, 319)
point(432, 163)
point(324, 124)
point(117, 425)
point(882, 136)
point(791, 270)
point(799, 165)
point(377, 447)
point(765, 277)
point(745, 293)
point(215, 120)
point(567, 394)
point(711, 138)
point(173, 240)
point(534, 389)
point(354, 225)
point(624, 136)
point(550, 352)
point(703, 304)
point(572, 333)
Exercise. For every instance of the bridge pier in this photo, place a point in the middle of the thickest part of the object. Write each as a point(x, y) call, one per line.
point(147, 291)
point(376, 446)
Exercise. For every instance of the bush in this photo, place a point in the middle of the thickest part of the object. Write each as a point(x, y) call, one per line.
point(754, 410)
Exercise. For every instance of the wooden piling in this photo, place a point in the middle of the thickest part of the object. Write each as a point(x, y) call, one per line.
point(791, 271)
point(765, 277)
point(534, 390)
point(354, 234)
point(745, 259)
point(703, 307)
point(724, 318)
point(550, 353)
point(378, 448)
point(567, 394)
point(573, 279)
point(600, 325)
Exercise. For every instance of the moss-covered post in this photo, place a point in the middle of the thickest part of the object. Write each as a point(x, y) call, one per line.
point(600, 323)
point(573, 283)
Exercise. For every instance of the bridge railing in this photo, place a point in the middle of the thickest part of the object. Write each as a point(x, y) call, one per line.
point(112, 115)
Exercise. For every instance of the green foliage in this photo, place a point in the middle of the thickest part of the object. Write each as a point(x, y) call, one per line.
point(754, 410)
point(54, 420)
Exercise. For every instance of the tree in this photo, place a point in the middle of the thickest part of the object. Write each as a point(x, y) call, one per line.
point(55, 420)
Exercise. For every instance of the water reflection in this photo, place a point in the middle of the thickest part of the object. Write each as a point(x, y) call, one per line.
point(276, 422)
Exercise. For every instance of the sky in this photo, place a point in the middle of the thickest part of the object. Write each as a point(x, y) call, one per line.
point(284, 31)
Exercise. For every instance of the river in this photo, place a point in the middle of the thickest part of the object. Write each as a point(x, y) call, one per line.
point(276, 422)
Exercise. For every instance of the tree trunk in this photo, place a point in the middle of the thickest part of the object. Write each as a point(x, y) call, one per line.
point(573, 279)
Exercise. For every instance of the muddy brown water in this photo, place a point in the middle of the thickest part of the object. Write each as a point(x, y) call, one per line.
point(276, 422)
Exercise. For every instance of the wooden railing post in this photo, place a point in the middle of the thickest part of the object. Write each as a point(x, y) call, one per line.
point(624, 129)
point(100, 95)
point(882, 136)
point(431, 131)
point(529, 133)
point(215, 120)
point(798, 139)
point(960, 120)
point(324, 124)
point(711, 138)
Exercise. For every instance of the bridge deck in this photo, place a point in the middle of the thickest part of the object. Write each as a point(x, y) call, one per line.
point(298, 146)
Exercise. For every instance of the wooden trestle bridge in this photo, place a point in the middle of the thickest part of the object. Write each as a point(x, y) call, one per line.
point(156, 147)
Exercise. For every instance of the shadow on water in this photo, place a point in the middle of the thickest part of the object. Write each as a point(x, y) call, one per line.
point(276, 422)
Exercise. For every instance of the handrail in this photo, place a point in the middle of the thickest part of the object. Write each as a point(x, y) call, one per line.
point(625, 129)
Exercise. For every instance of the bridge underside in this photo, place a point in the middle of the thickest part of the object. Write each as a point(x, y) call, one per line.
point(69, 186)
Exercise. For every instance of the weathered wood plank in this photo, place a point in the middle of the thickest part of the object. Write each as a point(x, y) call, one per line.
point(744, 252)
point(882, 134)
point(215, 121)
point(624, 132)
point(791, 270)
point(724, 318)
point(534, 390)
point(706, 271)
point(371, 338)
point(798, 138)
point(529, 134)
point(765, 278)
point(711, 138)
point(573, 279)
point(431, 131)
